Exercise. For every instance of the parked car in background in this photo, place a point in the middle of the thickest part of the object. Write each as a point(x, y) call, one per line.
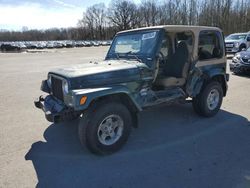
point(31, 44)
point(87, 44)
point(237, 42)
point(96, 43)
point(70, 44)
point(50, 45)
point(241, 62)
point(103, 43)
point(40, 45)
point(58, 44)
point(23, 45)
point(79, 43)
point(109, 42)
point(12, 46)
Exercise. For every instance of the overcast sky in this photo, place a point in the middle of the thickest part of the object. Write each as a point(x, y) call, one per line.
point(42, 14)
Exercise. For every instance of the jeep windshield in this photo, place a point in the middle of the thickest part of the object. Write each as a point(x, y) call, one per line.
point(236, 37)
point(134, 45)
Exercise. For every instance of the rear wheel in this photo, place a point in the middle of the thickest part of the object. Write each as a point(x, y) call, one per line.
point(209, 101)
point(105, 128)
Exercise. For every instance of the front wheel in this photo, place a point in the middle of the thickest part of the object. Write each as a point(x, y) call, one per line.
point(241, 48)
point(105, 127)
point(209, 101)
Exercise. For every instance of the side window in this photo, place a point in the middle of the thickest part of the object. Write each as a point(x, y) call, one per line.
point(210, 45)
point(187, 37)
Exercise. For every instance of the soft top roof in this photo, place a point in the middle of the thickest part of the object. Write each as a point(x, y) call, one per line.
point(178, 28)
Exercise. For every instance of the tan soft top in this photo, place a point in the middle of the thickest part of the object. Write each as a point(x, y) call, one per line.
point(182, 28)
point(178, 28)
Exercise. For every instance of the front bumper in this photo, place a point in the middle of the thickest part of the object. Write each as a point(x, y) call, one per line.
point(232, 50)
point(239, 67)
point(55, 110)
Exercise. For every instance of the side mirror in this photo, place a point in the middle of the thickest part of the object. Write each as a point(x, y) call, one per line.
point(248, 39)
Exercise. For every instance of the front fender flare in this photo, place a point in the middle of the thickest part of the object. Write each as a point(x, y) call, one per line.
point(95, 93)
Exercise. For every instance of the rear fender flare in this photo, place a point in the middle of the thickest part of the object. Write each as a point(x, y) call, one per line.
point(215, 74)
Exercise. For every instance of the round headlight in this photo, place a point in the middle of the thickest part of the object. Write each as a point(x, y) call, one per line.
point(65, 87)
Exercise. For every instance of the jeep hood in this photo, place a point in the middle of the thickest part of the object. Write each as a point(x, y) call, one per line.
point(100, 73)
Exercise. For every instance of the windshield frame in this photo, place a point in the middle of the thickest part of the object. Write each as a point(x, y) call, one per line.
point(112, 55)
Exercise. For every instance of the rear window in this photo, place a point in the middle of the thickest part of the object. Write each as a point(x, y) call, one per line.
point(210, 45)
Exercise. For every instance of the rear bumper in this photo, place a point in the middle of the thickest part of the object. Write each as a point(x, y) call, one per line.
point(55, 110)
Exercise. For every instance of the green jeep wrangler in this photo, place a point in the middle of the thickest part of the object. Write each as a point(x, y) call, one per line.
point(143, 68)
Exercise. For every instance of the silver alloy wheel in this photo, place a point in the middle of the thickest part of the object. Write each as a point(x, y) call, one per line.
point(110, 129)
point(213, 99)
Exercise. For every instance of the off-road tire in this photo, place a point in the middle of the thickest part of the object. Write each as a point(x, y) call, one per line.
point(200, 104)
point(90, 121)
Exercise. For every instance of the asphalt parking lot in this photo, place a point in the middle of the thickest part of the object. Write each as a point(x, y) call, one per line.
point(173, 147)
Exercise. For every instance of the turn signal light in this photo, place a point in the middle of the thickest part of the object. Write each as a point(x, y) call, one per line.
point(83, 100)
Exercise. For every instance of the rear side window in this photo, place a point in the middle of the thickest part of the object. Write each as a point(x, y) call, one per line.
point(186, 37)
point(210, 45)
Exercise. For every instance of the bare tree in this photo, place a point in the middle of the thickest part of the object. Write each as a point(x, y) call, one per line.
point(192, 12)
point(98, 22)
point(150, 12)
point(99, 13)
point(122, 13)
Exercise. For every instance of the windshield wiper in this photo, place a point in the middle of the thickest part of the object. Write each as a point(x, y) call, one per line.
point(117, 55)
point(131, 53)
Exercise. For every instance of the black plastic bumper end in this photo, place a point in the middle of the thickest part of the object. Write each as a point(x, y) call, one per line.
point(54, 110)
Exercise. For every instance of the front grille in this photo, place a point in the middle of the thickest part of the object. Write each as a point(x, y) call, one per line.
point(229, 46)
point(56, 85)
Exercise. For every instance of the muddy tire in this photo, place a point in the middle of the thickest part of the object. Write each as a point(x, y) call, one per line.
point(105, 127)
point(209, 101)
